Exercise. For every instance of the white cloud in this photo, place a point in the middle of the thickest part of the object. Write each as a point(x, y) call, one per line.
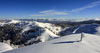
point(38, 15)
point(46, 11)
point(88, 6)
point(97, 2)
point(49, 13)
point(54, 12)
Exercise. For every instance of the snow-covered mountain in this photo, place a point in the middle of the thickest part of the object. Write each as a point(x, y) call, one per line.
point(58, 19)
point(88, 28)
point(19, 33)
point(23, 33)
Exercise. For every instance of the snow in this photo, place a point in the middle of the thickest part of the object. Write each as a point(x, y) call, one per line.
point(10, 21)
point(60, 19)
point(49, 26)
point(75, 30)
point(25, 28)
point(4, 47)
point(1, 24)
point(88, 28)
point(65, 44)
point(14, 21)
point(47, 35)
point(98, 31)
point(96, 19)
point(27, 25)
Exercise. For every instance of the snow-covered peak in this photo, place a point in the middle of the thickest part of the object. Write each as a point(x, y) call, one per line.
point(51, 31)
point(96, 19)
point(14, 21)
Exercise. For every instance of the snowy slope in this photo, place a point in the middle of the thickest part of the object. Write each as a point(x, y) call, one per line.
point(47, 35)
point(50, 31)
point(65, 44)
point(10, 22)
point(89, 28)
point(49, 26)
point(32, 32)
point(4, 47)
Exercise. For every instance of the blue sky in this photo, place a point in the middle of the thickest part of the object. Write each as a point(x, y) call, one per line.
point(69, 9)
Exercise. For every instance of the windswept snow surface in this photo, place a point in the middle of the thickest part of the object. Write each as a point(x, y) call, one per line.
point(4, 47)
point(65, 44)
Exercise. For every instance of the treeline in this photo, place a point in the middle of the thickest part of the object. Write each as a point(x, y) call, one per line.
point(12, 35)
point(64, 24)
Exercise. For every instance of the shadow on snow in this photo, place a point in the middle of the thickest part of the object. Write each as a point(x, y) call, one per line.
point(66, 42)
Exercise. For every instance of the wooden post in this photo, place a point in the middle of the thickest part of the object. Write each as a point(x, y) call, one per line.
point(82, 36)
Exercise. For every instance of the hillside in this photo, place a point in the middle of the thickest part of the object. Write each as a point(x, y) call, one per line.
point(65, 44)
point(87, 28)
point(24, 33)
